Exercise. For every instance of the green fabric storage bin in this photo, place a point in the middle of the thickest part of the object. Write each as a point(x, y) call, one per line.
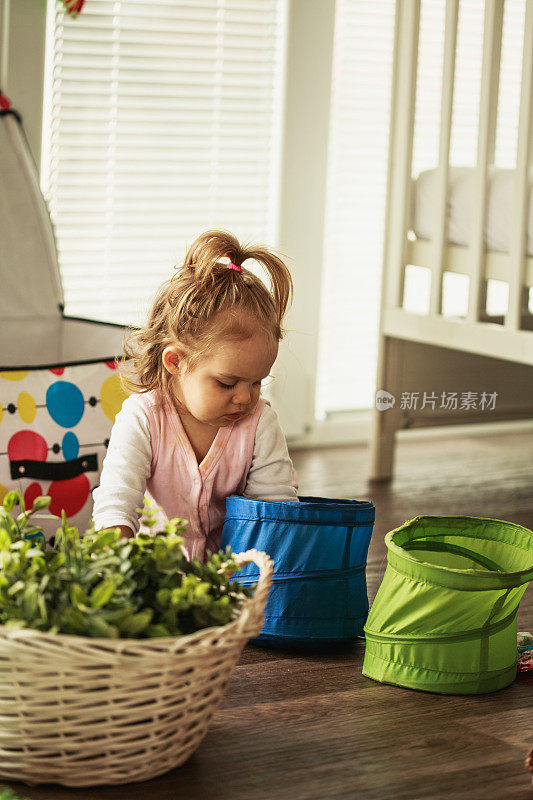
point(444, 617)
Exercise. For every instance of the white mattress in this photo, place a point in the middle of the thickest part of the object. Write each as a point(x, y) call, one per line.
point(460, 206)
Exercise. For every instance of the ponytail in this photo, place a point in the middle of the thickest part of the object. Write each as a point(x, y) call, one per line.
point(203, 258)
point(186, 305)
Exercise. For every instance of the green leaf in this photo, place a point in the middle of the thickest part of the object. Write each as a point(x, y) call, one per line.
point(29, 604)
point(7, 794)
point(39, 503)
point(163, 597)
point(158, 631)
point(5, 539)
point(41, 602)
point(12, 499)
point(18, 586)
point(78, 595)
point(103, 593)
point(136, 623)
point(100, 628)
point(22, 519)
point(70, 620)
point(105, 538)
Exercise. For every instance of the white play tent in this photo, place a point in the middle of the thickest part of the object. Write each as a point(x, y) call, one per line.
point(59, 389)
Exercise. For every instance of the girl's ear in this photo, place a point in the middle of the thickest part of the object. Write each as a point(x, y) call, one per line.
point(173, 359)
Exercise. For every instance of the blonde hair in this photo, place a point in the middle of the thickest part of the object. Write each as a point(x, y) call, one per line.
point(186, 305)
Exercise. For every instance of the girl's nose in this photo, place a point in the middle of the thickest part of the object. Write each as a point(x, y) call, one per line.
point(242, 396)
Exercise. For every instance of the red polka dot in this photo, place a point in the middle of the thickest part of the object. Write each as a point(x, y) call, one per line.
point(57, 370)
point(33, 491)
point(70, 495)
point(111, 364)
point(27, 446)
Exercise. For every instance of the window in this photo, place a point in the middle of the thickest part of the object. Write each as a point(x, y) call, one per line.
point(355, 205)
point(162, 120)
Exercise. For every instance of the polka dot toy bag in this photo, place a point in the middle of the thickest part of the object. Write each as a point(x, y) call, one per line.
point(54, 426)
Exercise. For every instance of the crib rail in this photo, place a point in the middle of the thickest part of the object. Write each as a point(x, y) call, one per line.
point(401, 146)
point(488, 104)
point(517, 265)
point(448, 71)
point(514, 267)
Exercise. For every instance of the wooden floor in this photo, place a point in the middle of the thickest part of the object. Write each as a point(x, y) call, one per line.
point(296, 726)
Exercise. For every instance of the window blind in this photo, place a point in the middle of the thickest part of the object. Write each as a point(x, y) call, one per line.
point(162, 120)
point(355, 204)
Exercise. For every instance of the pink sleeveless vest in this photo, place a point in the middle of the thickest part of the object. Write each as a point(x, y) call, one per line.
point(197, 492)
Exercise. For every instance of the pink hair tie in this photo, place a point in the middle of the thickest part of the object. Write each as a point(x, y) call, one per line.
point(236, 267)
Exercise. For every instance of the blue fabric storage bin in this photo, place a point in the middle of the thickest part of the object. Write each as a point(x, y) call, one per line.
point(319, 548)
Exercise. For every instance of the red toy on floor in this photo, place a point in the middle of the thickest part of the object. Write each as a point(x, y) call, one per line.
point(524, 643)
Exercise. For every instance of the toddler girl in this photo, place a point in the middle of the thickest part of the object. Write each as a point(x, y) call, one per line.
point(196, 430)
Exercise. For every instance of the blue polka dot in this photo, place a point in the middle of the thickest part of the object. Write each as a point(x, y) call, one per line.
point(71, 446)
point(65, 403)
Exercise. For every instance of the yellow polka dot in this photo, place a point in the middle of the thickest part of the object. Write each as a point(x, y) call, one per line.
point(112, 396)
point(18, 375)
point(1, 413)
point(3, 492)
point(26, 407)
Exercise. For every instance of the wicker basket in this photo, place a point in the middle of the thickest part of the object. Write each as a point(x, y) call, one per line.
point(84, 712)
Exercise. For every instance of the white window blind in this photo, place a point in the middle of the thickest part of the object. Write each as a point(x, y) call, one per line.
point(359, 128)
point(355, 206)
point(162, 120)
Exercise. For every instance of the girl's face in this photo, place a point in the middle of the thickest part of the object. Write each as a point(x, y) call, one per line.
point(224, 386)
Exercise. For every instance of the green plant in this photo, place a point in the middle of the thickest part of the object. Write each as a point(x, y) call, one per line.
point(105, 585)
point(7, 794)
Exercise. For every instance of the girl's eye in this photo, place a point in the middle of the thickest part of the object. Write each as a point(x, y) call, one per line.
point(256, 384)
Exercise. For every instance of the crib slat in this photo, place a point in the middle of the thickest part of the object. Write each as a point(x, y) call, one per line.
point(488, 106)
point(517, 249)
point(394, 250)
point(448, 76)
point(402, 127)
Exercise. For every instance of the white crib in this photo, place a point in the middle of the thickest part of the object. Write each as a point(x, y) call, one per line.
point(475, 341)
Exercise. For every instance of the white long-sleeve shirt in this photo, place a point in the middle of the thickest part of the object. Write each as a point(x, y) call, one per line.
point(129, 461)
